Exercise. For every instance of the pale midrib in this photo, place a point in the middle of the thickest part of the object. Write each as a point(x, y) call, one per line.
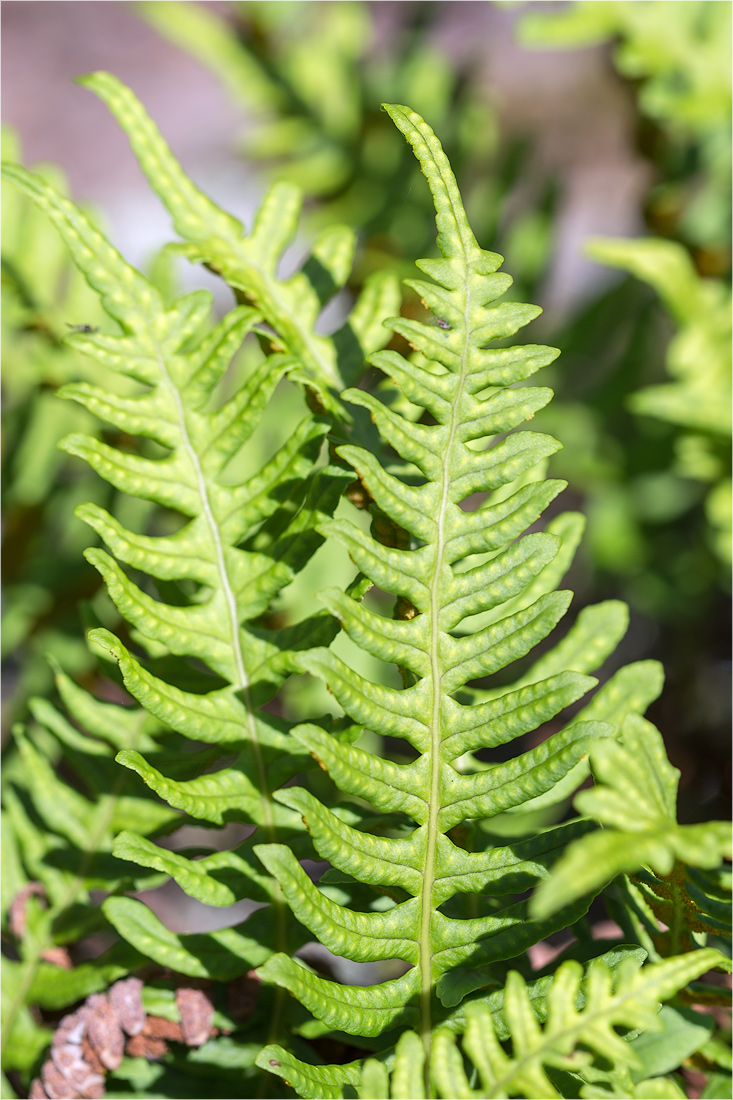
point(426, 913)
point(242, 682)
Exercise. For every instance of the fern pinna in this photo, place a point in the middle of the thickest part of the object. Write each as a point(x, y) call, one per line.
point(461, 568)
point(208, 666)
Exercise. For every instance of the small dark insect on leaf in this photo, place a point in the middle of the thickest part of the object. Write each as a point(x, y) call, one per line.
point(442, 323)
point(81, 328)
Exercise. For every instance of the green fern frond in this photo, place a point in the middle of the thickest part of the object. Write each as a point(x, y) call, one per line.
point(679, 53)
point(698, 359)
point(459, 566)
point(242, 540)
point(42, 294)
point(315, 1082)
point(249, 263)
point(634, 799)
point(171, 352)
point(580, 1026)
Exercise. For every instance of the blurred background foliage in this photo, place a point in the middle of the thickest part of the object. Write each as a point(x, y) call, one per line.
point(315, 80)
point(643, 385)
point(44, 575)
point(677, 56)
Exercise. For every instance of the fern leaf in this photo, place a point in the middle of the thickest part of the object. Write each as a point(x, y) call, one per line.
point(249, 264)
point(313, 1082)
point(200, 444)
point(242, 539)
point(698, 396)
point(222, 878)
point(362, 1010)
point(221, 955)
point(565, 1021)
point(468, 390)
point(628, 998)
point(635, 801)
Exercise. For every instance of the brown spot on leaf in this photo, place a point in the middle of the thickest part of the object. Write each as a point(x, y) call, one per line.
point(359, 495)
point(405, 609)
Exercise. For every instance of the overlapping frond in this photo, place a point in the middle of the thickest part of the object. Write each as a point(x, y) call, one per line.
point(698, 396)
point(635, 800)
point(42, 293)
point(480, 594)
point(523, 1040)
point(249, 264)
point(195, 599)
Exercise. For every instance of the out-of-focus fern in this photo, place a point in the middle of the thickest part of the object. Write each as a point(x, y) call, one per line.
point(43, 572)
point(457, 568)
point(57, 849)
point(680, 54)
point(699, 362)
point(311, 77)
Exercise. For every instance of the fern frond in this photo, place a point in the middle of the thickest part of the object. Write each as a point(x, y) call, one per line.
point(698, 395)
point(249, 263)
point(313, 1082)
point(580, 1026)
point(634, 799)
point(242, 539)
point(237, 584)
point(460, 570)
point(42, 292)
point(698, 359)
